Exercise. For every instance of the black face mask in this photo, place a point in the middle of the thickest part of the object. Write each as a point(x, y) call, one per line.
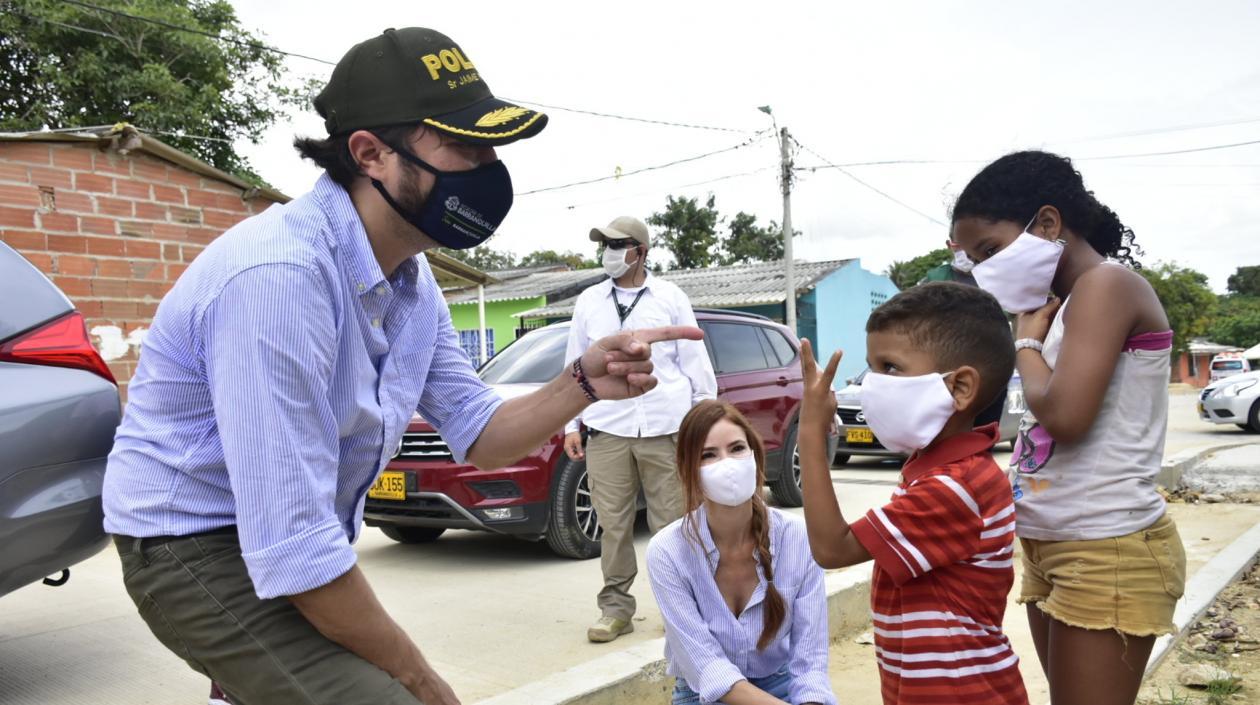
point(464, 208)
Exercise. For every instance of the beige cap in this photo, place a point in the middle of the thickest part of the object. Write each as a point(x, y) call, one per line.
point(624, 227)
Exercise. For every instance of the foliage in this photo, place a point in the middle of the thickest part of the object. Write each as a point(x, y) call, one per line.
point(749, 242)
point(1245, 280)
point(1187, 300)
point(907, 274)
point(689, 232)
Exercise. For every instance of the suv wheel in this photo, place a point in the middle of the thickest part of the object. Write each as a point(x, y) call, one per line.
point(1254, 418)
point(787, 487)
point(412, 534)
point(574, 530)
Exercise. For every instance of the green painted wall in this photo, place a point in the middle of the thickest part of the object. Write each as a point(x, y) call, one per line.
point(498, 317)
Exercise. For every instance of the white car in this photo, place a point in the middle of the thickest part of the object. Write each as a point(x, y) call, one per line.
point(1235, 399)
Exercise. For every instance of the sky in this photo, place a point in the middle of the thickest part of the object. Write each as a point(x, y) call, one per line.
point(958, 83)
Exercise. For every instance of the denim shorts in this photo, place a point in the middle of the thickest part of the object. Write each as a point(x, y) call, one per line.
point(778, 684)
point(1128, 583)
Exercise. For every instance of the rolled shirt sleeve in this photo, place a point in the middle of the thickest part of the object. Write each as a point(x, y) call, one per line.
point(276, 425)
point(576, 346)
point(455, 400)
point(697, 654)
point(693, 356)
point(810, 638)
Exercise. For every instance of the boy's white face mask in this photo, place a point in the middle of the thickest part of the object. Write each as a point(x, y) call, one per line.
point(906, 413)
point(1019, 277)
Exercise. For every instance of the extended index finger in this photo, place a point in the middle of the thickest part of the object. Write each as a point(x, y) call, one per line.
point(809, 368)
point(657, 335)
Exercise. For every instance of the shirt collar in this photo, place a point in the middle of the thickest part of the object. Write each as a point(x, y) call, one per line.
point(950, 450)
point(347, 227)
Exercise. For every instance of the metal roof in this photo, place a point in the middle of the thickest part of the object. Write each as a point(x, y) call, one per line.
point(532, 286)
point(725, 287)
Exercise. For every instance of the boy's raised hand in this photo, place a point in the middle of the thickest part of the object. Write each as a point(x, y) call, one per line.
point(818, 406)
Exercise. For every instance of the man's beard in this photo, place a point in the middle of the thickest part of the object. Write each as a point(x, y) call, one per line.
point(412, 200)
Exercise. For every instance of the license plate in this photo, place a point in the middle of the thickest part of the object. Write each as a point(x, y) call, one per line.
point(390, 485)
point(859, 435)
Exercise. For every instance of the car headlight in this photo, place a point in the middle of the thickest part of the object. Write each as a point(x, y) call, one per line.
point(1233, 390)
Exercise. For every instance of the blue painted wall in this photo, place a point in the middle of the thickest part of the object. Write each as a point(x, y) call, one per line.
point(833, 315)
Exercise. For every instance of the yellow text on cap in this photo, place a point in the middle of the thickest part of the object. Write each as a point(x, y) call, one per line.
point(449, 59)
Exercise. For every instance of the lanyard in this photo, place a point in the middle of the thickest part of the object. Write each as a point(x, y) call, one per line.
point(623, 312)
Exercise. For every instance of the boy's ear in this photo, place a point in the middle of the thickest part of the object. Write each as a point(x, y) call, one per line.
point(965, 387)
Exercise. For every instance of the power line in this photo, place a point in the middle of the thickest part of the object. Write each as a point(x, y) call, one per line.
point(656, 192)
point(842, 170)
point(626, 117)
point(190, 30)
point(755, 138)
point(1164, 154)
point(1163, 130)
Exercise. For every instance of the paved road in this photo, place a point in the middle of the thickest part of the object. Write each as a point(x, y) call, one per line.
point(493, 613)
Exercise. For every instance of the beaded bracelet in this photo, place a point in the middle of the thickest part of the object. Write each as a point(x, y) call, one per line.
point(583, 382)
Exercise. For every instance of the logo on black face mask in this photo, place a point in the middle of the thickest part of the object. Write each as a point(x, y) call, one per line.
point(452, 203)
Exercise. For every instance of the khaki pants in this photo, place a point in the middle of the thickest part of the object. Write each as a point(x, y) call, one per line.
point(197, 598)
point(617, 468)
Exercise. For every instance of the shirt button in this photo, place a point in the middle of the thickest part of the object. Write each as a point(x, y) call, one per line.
point(362, 286)
point(380, 291)
point(376, 323)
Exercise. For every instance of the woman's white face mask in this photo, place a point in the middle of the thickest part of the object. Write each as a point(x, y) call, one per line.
point(730, 481)
point(1019, 277)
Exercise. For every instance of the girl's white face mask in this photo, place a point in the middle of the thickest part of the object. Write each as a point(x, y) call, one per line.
point(906, 413)
point(615, 264)
point(730, 481)
point(962, 262)
point(1019, 277)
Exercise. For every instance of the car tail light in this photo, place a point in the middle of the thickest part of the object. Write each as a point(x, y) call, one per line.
point(62, 342)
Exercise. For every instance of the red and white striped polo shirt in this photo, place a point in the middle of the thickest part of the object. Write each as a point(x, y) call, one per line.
point(943, 552)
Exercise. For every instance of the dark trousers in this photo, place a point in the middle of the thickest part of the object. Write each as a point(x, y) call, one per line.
point(196, 596)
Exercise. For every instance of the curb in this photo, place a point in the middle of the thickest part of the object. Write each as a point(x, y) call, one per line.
point(1171, 470)
point(1202, 589)
point(637, 674)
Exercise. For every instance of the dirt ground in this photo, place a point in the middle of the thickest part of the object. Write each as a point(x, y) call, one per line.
point(1226, 637)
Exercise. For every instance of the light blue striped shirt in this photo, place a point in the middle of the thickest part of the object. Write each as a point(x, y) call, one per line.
point(712, 649)
point(274, 385)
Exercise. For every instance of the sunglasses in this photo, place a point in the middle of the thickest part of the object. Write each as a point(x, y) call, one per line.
point(620, 244)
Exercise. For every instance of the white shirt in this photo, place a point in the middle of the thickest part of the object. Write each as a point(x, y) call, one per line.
point(682, 369)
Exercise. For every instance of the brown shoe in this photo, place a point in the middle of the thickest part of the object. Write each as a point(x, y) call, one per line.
point(609, 628)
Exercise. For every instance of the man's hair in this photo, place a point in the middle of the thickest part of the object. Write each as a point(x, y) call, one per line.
point(332, 154)
point(959, 325)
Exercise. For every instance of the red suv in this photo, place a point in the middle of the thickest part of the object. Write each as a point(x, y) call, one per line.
point(546, 496)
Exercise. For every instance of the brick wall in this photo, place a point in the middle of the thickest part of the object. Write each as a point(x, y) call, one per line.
point(113, 231)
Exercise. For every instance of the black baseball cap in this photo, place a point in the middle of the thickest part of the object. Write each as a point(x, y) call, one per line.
point(418, 75)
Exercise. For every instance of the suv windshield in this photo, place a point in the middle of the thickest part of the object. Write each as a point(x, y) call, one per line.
point(536, 358)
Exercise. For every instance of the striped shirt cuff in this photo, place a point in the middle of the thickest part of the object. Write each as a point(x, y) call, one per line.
point(717, 679)
point(812, 687)
point(304, 562)
point(464, 426)
point(880, 548)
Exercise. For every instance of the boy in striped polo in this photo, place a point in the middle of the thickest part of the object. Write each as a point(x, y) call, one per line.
point(939, 354)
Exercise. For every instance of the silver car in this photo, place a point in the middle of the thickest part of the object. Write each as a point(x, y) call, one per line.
point(58, 412)
point(856, 437)
point(1234, 399)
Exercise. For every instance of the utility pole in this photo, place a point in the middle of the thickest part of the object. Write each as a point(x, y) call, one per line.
point(785, 182)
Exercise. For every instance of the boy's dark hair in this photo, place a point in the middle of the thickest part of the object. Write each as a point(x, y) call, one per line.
point(332, 154)
point(959, 325)
point(1017, 185)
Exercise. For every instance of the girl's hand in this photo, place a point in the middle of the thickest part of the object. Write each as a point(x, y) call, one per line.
point(818, 404)
point(1036, 324)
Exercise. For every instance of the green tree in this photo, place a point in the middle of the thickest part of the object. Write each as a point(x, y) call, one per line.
point(1187, 300)
point(1245, 280)
point(907, 274)
point(689, 231)
point(484, 258)
point(749, 242)
point(70, 66)
point(1237, 321)
point(572, 259)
